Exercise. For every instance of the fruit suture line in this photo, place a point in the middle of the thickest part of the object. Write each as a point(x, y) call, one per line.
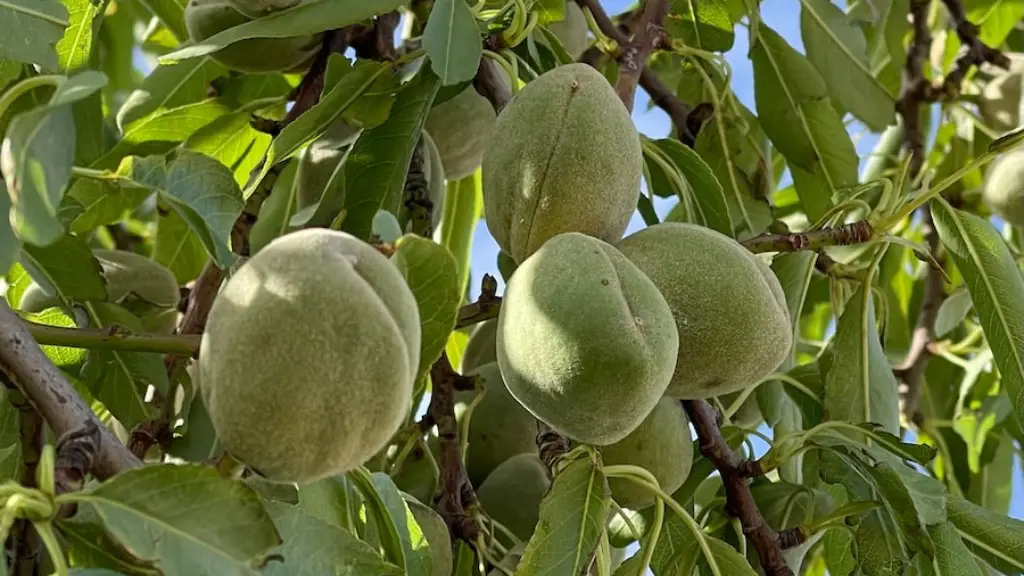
point(916, 91)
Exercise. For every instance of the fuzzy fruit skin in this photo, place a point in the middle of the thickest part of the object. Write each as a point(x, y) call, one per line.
point(511, 495)
point(204, 18)
point(1004, 188)
point(661, 445)
point(1000, 102)
point(729, 307)
point(461, 128)
point(572, 30)
point(131, 273)
point(499, 428)
point(436, 532)
point(309, 355)
point(585, 340)
point(481, 348)
point(565, 158)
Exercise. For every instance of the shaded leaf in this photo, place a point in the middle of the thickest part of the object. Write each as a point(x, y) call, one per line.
point(996, 288)
point(994, 537)
point(452, 41)
point(432, 274)
point(838, 50)
point(953, 311)
point(301, 20)
point(952, 557)
point(158, 132)
point(860, 386)
point(88, 544)
point(168, 87)
point(202, 524)
point(415, 548)
point(100, 202)
point(30, 29)
point(313, 547)
point(10, 245)
point(376, 167)
point(706, 189)
point(572, 517)
point(66, 269)
point(793, 107)
point(232, 141)
point(728, 559)
point(10, 446)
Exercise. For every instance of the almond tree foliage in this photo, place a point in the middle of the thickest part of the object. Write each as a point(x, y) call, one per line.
point(894, 420)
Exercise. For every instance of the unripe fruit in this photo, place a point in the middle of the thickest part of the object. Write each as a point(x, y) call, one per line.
point(661, 445)
point(749, 413)
point(572, 30)
point(480, 349)
point(499, 427)
point(565, 158)
point(511, 495)
point(461, 128)
point(309, 355)
point(35, 299)
point(728, 306)
point(436, 532)
point(204, 18)
point(418, 476)
point(585, 340)
point(130, 273)
point(319, 161)
point(260, 8)
point(1000, 101)
point(1004, 187)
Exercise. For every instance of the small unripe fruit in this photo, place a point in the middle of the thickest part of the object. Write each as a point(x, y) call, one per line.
point(661, 445)
point(204, 18)
point(130, 273)
point(511, 495)
point(309, 355)
point(572, 30)
point(1000, 101)
point(436, 532)
point(728, 306)
point(565, 158)
point(499, 427)
point(461, 128)
point(1004, 187)
point(35, 299)
point(585, 340)
point(480, 349)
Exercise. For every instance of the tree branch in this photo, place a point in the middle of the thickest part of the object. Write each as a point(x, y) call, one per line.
point(739, 500)
point(634, 54)
point(489, 83)
point(53, 396)
point(845, 235)
point(114, 339)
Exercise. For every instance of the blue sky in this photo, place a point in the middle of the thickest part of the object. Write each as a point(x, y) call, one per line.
point(784, 17)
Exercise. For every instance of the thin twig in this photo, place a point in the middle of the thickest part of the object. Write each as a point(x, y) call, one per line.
point(739, 500)
point(53, 396)
point(114, 339)
point(845, 235)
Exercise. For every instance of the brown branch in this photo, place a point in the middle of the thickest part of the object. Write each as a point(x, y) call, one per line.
point(53, 396)
point(489, 83)
point(455, 490)
point(739, 500)
point(845, 235)
point(634, 54)
point(485, 307)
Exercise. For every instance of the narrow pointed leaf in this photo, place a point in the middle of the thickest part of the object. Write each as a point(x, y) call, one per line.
point(168, 87)
point(993, 537)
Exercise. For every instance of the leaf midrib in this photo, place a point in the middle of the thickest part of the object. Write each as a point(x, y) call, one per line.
point(842, 47)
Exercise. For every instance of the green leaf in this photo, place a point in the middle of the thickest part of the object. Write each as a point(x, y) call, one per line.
point(974, 424)
point(303, 19)
point(378, 163)
point(202, 524)
point(168, 87)
point(276, 211)
point(313, 547)
point(315, 121)
point(704, 24)
point(200, 189)
point(66, 269)
point(232, 141)
point(793, 107)
point(36, 159)
point(10, 446)
point(992, 487)
point(74, 49)
point(463, 202)
point(390, 534)
point(993, 537)
point(10, 244)
point(102, 202)
point(63, 357)
point(415, 548)
point(952, 557)
point(860, 386)
point(572, 516)
point(953, 311)
point(452, 41)
point(121, 379)
point(30, 29)
point(728, 560)
point(161, 130)
point(198, 440)
point(432, 274)
point(333, 500)
point(996, 288)
point(88, 544)
point(171, 13)
point(706, 189)
point(995, 18)
point(836, 47)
